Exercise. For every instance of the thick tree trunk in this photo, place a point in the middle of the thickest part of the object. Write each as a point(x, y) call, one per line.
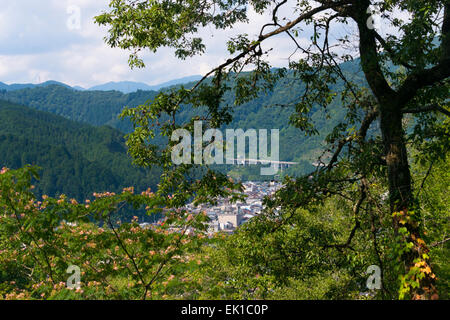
point(401, 199)
point(399, 176)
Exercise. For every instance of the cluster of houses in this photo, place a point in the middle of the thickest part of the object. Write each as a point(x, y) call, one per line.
point(227, 217)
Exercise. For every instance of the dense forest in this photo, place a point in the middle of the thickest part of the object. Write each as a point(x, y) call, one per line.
point(76, 159)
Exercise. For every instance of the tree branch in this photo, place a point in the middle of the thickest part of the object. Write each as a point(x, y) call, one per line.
point(124, 248)
point(370, 60)
point(391, 52)
point(365, 125)
point(285, 28)
point(439, 242)
point(427, 77)
point(429, 108)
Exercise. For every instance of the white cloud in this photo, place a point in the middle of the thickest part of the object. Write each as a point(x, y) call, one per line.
point(36, 45)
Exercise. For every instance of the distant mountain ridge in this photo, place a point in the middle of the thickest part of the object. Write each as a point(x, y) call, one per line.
point(122, 86)
point(20, 86)
point(130, 86)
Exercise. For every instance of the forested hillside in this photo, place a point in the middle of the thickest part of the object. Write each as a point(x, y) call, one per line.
point(76, 159)
point(271, 110)
point(92, 107)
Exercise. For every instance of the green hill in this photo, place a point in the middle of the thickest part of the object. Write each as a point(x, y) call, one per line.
point(76, 159)
point(93, 107)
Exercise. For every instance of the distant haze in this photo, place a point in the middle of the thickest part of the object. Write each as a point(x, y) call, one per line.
point(122, 86)
point(130, 86)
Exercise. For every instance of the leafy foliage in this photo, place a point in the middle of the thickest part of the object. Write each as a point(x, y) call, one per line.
point(40, 239)
point(403, 70)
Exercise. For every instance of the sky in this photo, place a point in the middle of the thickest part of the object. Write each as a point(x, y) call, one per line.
point(44, 40)
point(58, 40)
